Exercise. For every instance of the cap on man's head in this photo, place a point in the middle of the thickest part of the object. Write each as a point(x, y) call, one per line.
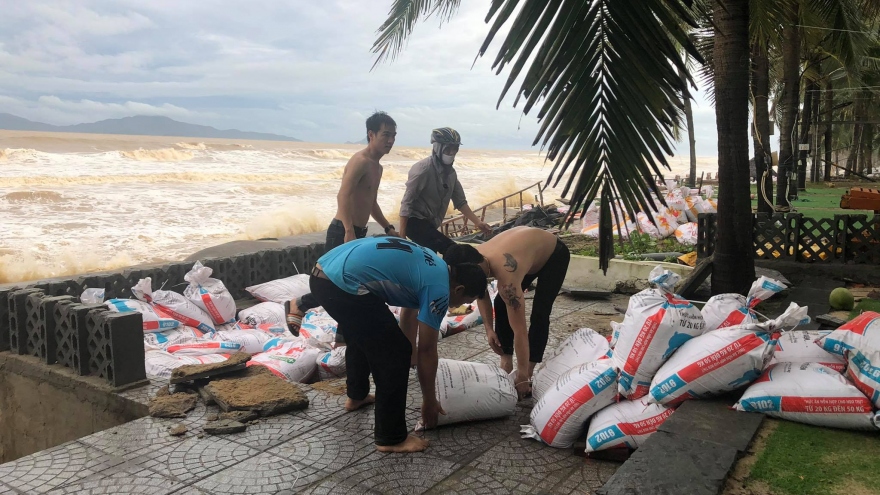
point(445, 135)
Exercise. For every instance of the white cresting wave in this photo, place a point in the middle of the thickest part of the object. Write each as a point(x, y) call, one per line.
point(65, 213)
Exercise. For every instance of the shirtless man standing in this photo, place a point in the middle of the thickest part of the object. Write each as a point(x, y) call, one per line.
point(516, 258)
point(356, 202)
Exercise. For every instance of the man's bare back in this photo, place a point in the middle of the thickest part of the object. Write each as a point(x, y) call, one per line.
point(517, 252)
point(366, 174)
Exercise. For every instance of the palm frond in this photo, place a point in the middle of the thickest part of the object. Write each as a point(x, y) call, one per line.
point(605, 75)
point(402, 19)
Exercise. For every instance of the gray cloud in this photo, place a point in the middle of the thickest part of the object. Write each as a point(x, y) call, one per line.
point(293, 67)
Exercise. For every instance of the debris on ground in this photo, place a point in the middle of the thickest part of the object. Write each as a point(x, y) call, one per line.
point(240, 416)
point(177, 430)
point(264, 393)
point(173, 405)
point(193, 372)
point(224, 427)
point(335, 387)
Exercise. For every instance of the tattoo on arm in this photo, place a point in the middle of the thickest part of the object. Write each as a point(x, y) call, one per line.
point(510, 262)
point(511, 298)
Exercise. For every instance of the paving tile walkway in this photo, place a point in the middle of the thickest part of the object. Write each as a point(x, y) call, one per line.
point(321, 449)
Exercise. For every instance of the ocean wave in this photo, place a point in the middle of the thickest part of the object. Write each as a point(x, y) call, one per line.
point(33, 197)
point(19, 154)
point(71, 261)
point(192, 146)
point(285, 222)
point(160, 155)
point(176, 177)
point(330, 154)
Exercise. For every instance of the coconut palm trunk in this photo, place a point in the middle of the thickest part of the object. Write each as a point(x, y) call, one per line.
point(829, 130)
point(791, 58)
point(733, 268)
point(806, 127)
point(689, 120)
point(761, 127)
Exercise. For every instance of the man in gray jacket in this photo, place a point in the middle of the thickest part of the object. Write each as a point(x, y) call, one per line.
point(432, 183)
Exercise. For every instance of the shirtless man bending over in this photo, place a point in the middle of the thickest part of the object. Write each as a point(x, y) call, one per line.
point(356, 202)
point(516, 258)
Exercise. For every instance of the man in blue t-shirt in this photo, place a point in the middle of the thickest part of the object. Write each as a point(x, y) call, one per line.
point(354, 283)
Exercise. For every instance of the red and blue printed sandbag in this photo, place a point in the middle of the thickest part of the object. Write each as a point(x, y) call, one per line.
point(657, 322)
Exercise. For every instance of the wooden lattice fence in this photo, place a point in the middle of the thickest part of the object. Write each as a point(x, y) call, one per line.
point(794, 237)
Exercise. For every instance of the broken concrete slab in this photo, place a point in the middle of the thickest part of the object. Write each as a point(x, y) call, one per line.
point(712, 420)
point(177, 430)
point(240, 416)
point(224, 427)
point(671, 464)
point(582, 293)
point(264, 393)
point(172, 406)
point(193, 372)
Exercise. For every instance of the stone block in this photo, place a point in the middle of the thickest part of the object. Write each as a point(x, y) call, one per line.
point(4, 317)
point(18, 319)
point(263, 266)
point(670, 464)
point(71, 336)
point(224, 427)
point(51, 316)
point(173, 405)
point(123, 337)
point(34, 320)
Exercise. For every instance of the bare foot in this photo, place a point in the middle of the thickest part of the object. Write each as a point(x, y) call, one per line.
point(410, 445)
point(506, 363)
point(354, 405)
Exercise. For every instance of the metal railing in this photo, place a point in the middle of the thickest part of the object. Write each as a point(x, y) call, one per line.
point(458, 225)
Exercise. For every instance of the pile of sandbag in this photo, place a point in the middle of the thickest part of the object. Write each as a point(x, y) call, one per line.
point(810, 389)
point(678, 218)
point(200, 326)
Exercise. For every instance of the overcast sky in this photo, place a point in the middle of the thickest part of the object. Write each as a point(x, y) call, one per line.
point(294, 67)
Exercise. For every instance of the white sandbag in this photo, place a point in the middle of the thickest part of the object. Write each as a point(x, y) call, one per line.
point(209, 294)
point(181, 335)
point(676, 214)
point(809, 393)
point(686, 233)
point(861, 333)
point(331, 364)
point(799, 346)
point(626, 424)
point(160, 364)
point(266, 312)
point(655, 325)
point(153, 322)
point(864, 371)
point(721, 360)
point(203, 347)
point(272, 329)
point(560, 417)
point(665, 224)
point(174, 305)
point(281, 290)
point(695, 206)
point(292, 361)
point(615, 334)
point(251, 341)
point(712, 364)
point(454, 324)
point(472, 391)
point(583, 346)
point(319, 329)
point(728, 310)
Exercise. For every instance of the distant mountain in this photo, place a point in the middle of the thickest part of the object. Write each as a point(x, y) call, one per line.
point(139, 125)
point(362, 141)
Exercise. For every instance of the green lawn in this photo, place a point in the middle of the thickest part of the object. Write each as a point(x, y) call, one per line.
point(821, 201)
point(799, 459)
